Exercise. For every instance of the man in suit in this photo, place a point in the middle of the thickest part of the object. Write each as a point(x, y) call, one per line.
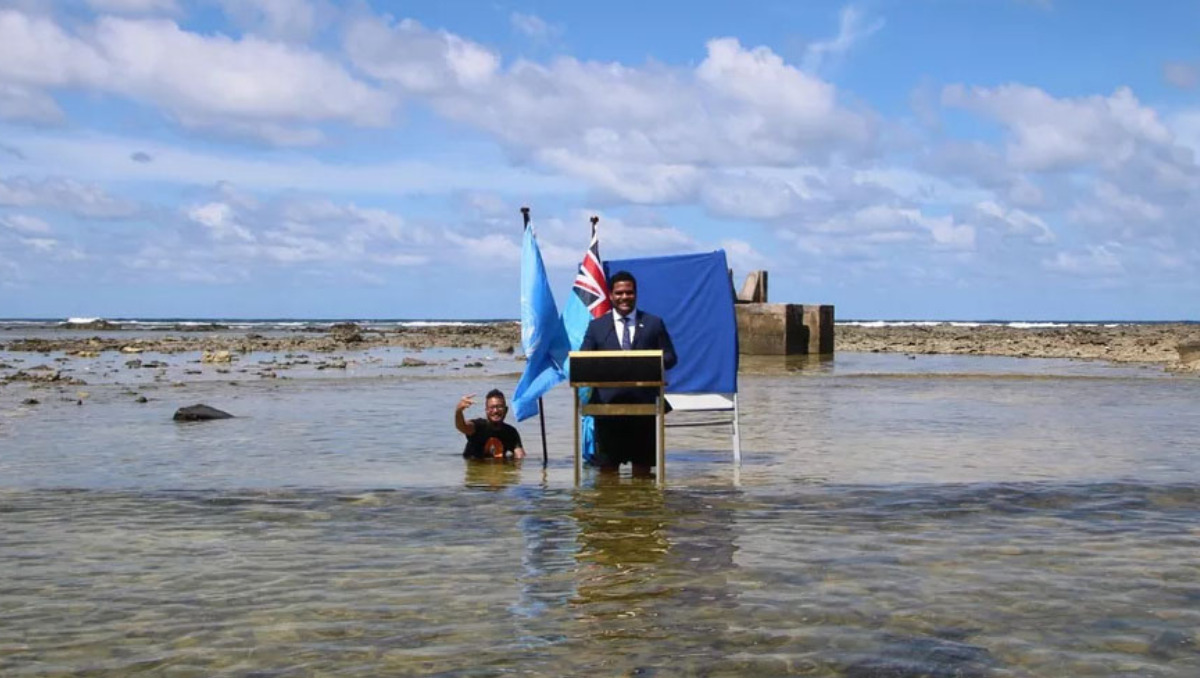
point(622, 439)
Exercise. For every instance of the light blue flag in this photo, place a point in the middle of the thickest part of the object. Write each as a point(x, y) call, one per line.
point(576, 318)
point(543, 337)
point(588, 300)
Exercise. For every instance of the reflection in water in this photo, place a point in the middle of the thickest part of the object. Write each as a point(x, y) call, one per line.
point(978, 580)
point(491, 473)
point(652, 572)
point(622, 536)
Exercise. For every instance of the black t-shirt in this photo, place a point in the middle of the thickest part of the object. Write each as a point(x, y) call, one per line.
point(491, 442)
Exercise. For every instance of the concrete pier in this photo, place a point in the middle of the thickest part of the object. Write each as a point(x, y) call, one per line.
point(785, 329)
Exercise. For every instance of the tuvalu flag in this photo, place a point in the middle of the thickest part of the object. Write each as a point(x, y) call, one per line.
point(588, 300)
point(543, 338)
point(589, 294)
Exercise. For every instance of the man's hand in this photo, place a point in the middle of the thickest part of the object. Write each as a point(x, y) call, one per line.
point(465, 427)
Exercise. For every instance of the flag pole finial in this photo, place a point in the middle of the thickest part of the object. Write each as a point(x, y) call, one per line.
point(525, 216)
point(595, 220)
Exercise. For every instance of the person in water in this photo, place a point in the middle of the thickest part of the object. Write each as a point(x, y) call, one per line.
point(489, 437)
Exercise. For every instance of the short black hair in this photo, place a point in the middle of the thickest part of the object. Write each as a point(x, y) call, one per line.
point(622, 276)
point(495, 393)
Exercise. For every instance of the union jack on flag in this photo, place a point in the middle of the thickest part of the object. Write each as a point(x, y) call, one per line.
point(590, 284)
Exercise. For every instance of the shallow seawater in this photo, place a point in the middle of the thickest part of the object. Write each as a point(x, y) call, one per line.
point(892, 517)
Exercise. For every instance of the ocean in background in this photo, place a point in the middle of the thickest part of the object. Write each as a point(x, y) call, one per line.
point(894, 516)
point(159, 324)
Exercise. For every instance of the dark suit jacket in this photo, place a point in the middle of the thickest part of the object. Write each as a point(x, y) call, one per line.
point(651, 334)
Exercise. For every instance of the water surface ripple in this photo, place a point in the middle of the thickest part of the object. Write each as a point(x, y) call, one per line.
point(955, 519)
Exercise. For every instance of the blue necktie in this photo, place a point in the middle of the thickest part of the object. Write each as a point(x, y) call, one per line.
point(626, 343)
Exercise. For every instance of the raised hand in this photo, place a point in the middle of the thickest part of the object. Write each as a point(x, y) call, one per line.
point(466, 401)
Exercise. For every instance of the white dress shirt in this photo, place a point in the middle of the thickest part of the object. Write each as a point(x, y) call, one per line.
point(619, 324)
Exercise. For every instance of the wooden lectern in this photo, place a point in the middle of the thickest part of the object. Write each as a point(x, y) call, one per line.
point(621, 369)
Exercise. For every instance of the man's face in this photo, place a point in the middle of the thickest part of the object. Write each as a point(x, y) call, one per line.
point(497, 409)
point(624, 297)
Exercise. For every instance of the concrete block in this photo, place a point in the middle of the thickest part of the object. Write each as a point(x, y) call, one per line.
point(754, 290)
point(785, 329)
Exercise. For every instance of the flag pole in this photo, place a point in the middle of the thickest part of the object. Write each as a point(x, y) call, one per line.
point(541, 409)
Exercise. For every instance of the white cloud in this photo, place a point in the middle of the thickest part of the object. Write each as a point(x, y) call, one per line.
point(889, 224)
point(641, 237)
point(491, 247)
point(760, 80)
point(852, 29)
point(1109, 204)
point(1048, 133)
point(40, 244)
point(644, 134)
point(219, 218)
point(106, 158)
point(1095, 260)
point(134, 6)
point(23, 223)
point(628, 181)
point(533, 26)
point(1185, 126)
point(1016, 221)
point(416, 59)
point(205, 78)
point(642, 233)
point(35, 52)
point(1181, 74)
point(283, 19)
point(80, 199)
point(743, 256)
point(28, 105)
point(749, 196)
point(949, 234)
point(244, 231)
point(247, 86)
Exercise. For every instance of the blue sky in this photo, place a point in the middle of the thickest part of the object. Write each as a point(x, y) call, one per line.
point(937, 159)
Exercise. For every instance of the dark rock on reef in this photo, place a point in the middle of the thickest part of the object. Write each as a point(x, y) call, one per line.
point(91, 325)
point(1170, 644)
point(347, 333)
point(42, 374)
point(924, 658)
point(200, 413)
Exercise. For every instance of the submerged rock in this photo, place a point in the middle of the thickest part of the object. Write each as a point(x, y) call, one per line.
point(919, 657)
point(200, 413)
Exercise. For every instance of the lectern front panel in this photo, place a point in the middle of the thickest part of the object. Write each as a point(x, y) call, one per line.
point(595, 367)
